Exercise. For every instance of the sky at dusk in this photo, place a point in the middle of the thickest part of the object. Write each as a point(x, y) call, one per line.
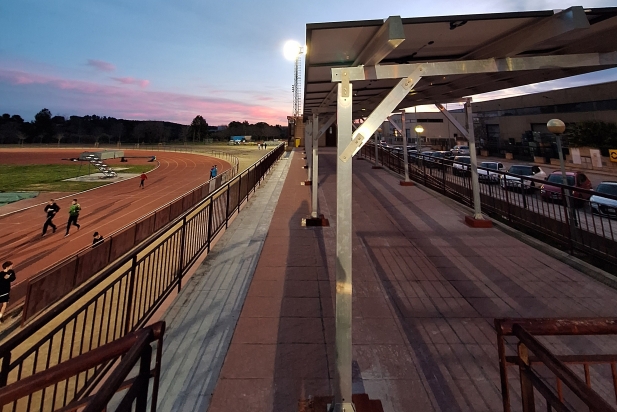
point(173, 60)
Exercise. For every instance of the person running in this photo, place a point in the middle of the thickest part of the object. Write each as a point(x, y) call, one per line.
point(7, 275)
point(51, 209)
point(74, 210)
point(97, 239)
point(143, 178)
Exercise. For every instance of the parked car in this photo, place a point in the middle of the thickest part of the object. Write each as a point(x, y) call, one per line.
point(602, 205)
point(460, 150)
point(461, 166)
point(508, 182)
point(436, 159)
point(576, 179)
point(487, 175)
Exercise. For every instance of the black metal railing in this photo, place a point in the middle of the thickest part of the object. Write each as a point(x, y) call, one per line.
point(564, 216)
point(123, 297)
point(40, 391)
point(562, 381)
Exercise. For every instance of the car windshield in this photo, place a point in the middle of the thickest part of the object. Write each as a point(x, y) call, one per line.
point(463, 147)
point(607, 189)
point(556, 178)
point(489, 165)
point(521, 170)
point(462, 159)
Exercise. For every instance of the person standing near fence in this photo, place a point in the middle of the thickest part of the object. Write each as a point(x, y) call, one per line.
point(51, 209)
point(213, 172)
point(143, 178)
point(97, 239)
point(7, 275)
point(74, 210)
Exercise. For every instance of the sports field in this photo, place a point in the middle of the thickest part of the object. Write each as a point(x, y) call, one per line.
point(52, 177)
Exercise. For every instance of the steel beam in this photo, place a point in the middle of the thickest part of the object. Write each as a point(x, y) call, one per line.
point(377, 116)
point(315, 165)
point(475, 185)
point(387, 38)
point(324, 127)
point(527, 37)
point(493, 65)
point(343, 376)
point(308, 148)
point(405, 159)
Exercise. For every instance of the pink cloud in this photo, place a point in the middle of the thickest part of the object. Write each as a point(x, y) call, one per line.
point(101, 65)
point(81, 97)
point(130, 80)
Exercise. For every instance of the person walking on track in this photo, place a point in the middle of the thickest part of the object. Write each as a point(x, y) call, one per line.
point(51, 209)
point(7, 275)
point(74, 210)
point(143, 178)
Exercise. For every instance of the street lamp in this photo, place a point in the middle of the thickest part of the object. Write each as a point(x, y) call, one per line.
point(557, 127)
point(419, 129)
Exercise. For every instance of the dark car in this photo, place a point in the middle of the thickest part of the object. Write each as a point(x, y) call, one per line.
point(576, 179)
point(436, 159)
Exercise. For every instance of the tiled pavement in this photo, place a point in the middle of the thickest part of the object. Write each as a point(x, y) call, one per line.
point(426, 291)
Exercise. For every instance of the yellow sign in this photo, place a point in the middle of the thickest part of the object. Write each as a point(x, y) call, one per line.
point(613, 154)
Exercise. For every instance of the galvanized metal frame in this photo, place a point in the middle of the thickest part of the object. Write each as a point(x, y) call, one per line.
point(350, 143)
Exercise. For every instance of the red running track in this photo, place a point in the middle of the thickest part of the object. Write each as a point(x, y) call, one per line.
point(105, 209)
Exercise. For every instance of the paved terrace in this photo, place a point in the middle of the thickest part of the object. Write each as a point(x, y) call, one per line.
point(254, 328)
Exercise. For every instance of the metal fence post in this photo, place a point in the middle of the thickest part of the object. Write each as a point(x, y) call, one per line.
point(527, 395)
point(129, 304)
point(182, 251)
point(210, 223)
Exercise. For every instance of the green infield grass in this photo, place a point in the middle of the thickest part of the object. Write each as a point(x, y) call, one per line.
point(50, 178)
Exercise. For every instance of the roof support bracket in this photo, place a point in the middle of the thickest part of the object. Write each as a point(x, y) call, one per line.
point(381, 113)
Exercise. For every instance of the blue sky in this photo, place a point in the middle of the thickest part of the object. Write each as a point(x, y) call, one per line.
point(173, 60)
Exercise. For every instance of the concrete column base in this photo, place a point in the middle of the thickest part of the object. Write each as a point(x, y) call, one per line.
point(377, 167)
point(404, 183)
point(315, 221)
point(478, 223)
point(306, 183)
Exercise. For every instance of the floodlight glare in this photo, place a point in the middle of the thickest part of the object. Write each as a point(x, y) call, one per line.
point(419, 128)
point(291, 50)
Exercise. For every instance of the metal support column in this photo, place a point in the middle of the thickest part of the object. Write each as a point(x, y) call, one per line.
point(475, 184)
point(405, 156)
point(376, 150)
point(308, 148)
point(315, 166)
point(342, 388)
point(477, 220)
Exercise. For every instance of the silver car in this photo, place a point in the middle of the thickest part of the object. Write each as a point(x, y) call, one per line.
point(460, 150)
point(602, 205)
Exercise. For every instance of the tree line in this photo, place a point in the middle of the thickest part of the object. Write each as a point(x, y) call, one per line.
point(49, 129)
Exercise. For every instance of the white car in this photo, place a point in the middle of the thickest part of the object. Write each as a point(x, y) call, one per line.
point(602, 205)
point(460, 150)
point(487, 175)
point(510, 182)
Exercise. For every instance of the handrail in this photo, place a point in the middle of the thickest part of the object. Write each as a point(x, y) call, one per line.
point(122, 297)
point(131, 346)
point(588, 396)
point(560, 215)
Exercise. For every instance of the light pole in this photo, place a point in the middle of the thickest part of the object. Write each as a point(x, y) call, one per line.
point(557, 127)
point(405, 182)
point(419, 129)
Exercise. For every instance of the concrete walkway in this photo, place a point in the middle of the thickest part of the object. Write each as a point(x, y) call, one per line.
point(426, 291)
point(201, 321)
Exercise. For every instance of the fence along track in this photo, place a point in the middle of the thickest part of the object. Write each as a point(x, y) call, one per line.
point(123, 297)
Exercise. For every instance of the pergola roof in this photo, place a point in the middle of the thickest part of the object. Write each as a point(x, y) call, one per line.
point(451, 38)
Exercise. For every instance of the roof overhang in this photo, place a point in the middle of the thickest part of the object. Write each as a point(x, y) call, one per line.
point(478, 48)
